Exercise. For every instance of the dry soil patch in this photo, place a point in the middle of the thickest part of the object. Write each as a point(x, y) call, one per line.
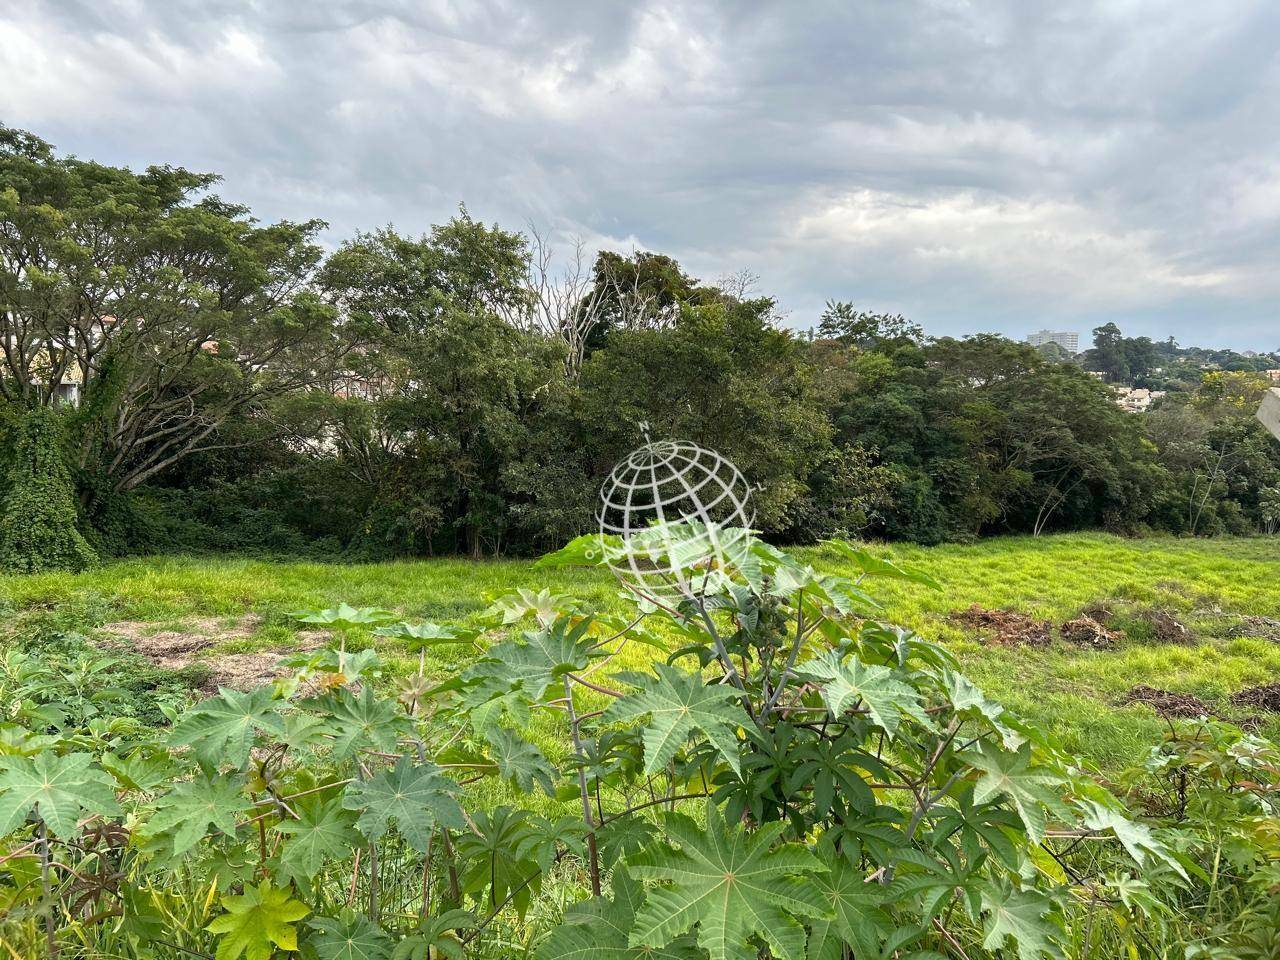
point(192, 645)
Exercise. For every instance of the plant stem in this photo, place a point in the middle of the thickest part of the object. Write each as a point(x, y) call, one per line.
point(591, 686)
point(455, 894)
point(791, 656)
point(50, 928)
point(651, 803)
point(593, 863)
point(373, 882)
point(730, 670)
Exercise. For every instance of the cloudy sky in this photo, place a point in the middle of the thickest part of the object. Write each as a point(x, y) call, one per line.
point(979, 166)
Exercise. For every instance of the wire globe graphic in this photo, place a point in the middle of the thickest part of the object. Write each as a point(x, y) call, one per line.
point(683, 516)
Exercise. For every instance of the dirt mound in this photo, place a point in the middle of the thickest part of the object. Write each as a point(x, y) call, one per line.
point(1265, 697)
point(178, 649)
point(1264, 627)
point(1167, 703)
point(1005, 628)
point(1085, 631)
point(1099, 610)
point(1166, 628)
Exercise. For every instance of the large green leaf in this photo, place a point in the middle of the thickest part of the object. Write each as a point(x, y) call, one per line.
point(487, 699)
point(1136, 838)
point(969, 700)
point(732, 885)
point(857, 918)
point(223, 728)
point(344, 615)
point(873, 566)
point(256, 922)
point(1012, 775)
point(145, 768)
point(422, 635)
point(679, 705)
point(192, 807)
point(599, 928)
point(588, 550)
point(540, 659)
point(323, 830)
point(504, 854)
point(349, 937)
point(436, 938)
point(418, 797)
point(850, 683)
point(520, 761)
point(1023, 916)
point(61, 789)
point(545, 606)
point(361, 721)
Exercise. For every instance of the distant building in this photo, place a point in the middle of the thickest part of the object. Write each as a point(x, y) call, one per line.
point(1137, 400)
point(1069, 342)
point(1272, 375)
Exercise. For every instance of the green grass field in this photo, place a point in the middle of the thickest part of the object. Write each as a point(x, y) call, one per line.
point(1208, 586)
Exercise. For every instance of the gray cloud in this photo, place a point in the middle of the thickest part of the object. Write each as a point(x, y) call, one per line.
point(993, 166)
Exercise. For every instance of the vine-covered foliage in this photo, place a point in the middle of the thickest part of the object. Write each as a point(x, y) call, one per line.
point(38, 515)
point(792, 778)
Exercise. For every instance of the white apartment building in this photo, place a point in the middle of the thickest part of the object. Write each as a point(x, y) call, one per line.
point(1067, 340)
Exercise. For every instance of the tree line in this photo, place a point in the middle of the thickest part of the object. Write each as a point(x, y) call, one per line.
point(220, 383)
point(1159, 365)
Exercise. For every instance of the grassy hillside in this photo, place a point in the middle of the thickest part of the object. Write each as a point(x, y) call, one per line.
point(1209, 588)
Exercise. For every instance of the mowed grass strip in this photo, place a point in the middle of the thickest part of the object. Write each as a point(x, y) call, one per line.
point(1076, 693)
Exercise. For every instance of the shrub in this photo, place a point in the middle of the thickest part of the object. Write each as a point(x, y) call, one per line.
point(794, 780)
point(38, 523)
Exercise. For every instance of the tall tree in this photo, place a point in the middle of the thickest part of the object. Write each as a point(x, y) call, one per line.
point(723, 376)
point(843, 321)
point(1108, 354)
point(170, 310)
point(457, 380)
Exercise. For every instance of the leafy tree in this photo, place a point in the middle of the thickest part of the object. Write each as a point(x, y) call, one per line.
point(1221, 458)
point(457, 380)
point(1108, 354)
point(173, 311)
point(38, 512)
point(983, 434)
point(1123, 359)
point(725, 377)
point(842, 321)
point(1271, 509)
point(641, 291)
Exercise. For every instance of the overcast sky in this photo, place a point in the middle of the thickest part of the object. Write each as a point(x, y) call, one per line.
point(978, 166)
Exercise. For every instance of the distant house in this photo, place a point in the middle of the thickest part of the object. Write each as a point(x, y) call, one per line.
point(1137, 399)
point(62, 380)
point(1067, 340)
point(68, 390)
point(1273, 375)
